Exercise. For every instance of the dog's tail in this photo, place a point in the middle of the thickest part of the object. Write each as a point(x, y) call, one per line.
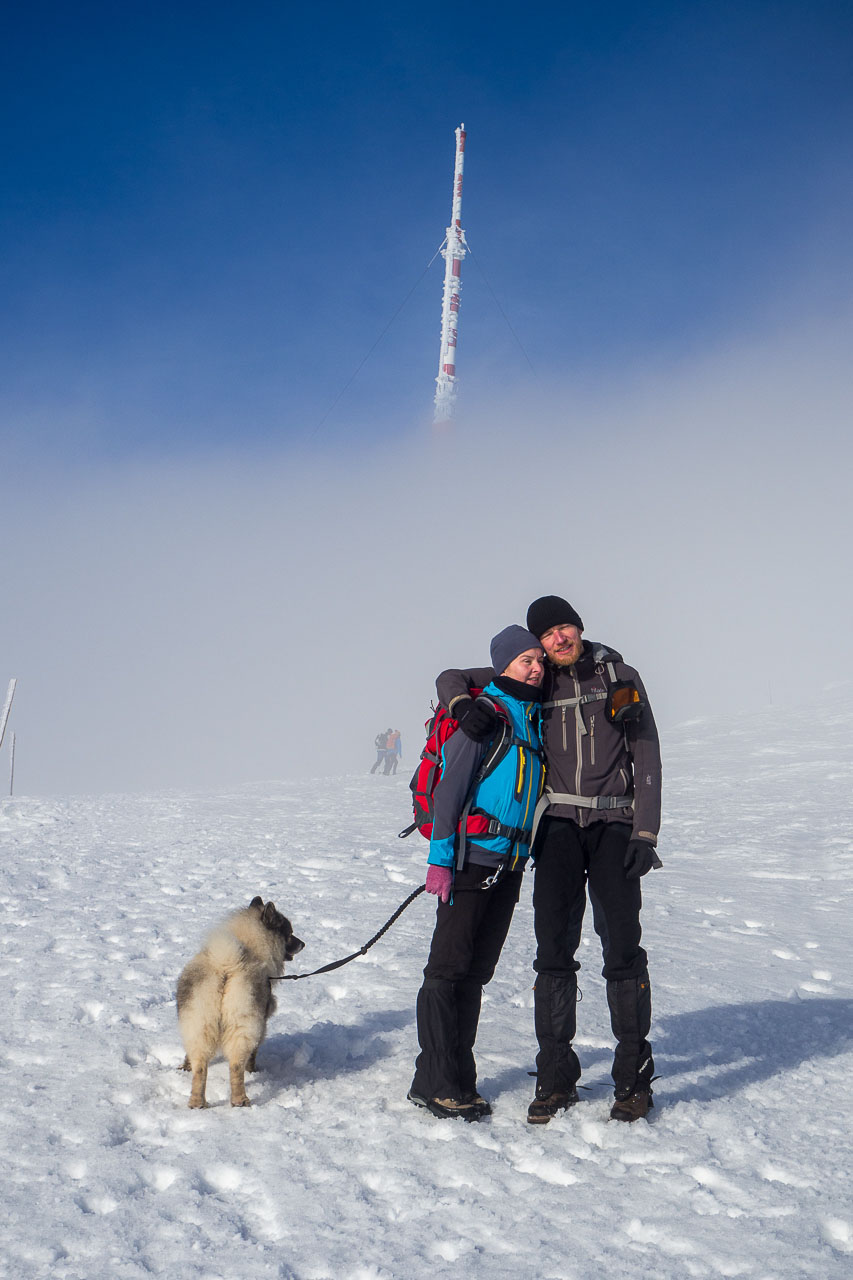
point(226, 952)
point(201, 989)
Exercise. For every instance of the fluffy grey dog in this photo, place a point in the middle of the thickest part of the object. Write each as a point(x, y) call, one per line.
point(225, 994)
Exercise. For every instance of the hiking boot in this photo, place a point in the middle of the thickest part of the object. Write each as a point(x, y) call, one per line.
point(546, 1105)
point(448, 1108)
point(635, 1107)
point(452, 1108)
point(480, 1105)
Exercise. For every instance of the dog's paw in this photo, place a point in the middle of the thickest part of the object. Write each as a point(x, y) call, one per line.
point(240, 1102)
point(197, 1103)
point(185, 1065)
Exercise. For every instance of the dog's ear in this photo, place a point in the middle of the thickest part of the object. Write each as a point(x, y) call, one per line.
point(257, 902)
point(270, 917)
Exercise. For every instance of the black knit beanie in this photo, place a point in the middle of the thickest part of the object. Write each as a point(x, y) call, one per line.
point(551, 611)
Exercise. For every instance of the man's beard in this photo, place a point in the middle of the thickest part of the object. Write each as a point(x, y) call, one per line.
point(567, 658)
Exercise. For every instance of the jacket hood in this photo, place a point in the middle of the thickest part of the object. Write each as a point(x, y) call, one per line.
point(601, 652)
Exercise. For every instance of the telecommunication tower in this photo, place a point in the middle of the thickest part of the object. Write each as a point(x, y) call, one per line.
point(453, 251)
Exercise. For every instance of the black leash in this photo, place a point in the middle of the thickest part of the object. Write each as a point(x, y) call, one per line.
point(336, 964)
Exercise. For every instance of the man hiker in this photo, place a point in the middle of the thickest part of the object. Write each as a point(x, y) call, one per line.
point(598, 826)
point(380, 742)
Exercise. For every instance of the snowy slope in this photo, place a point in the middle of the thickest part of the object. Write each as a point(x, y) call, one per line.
point(743, 1170)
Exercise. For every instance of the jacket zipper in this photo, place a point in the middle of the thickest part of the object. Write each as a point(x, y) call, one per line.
point(579, 741)
point(578, 750)
point(519, 773)
point(524, 780)
point(592, 740)
point(529, 796)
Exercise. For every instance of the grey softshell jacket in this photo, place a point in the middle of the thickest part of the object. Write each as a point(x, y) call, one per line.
point(586, 755)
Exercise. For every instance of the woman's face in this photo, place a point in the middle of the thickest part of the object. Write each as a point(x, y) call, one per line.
point(528, 667)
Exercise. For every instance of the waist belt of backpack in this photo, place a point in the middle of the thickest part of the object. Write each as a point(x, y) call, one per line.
point(581, 802)
point(587, 802)
point(516, 835)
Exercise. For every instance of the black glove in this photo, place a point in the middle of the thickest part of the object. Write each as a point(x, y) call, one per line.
point(478, 720)
point(640, 857)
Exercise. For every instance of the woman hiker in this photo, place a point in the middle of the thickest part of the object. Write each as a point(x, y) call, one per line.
point(478, 890)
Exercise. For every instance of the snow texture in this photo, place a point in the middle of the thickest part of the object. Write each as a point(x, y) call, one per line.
point(742, 1171)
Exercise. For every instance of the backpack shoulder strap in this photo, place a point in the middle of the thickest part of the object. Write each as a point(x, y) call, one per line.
point(497, 749)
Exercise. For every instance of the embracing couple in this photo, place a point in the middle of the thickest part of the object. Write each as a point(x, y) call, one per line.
point(558, 759)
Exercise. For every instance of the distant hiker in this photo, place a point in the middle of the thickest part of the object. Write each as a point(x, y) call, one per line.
point(600, 817)
point(380, 742)
point(392, 751)
point(478, 897)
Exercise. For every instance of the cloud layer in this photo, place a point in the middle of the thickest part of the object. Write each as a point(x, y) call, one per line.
point(195, 624)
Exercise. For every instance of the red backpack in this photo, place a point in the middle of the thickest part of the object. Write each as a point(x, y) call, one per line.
point(441, 726)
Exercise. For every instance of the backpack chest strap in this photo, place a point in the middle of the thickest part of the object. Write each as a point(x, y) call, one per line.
point(577, 703)
point(581, 701)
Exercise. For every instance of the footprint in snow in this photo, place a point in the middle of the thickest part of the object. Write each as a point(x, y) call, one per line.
point(159, 1176)
point(220, 1177)
point(97, 1204)
point(839, 1234)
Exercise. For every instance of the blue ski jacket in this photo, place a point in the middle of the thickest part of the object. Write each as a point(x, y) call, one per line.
point(508, 793)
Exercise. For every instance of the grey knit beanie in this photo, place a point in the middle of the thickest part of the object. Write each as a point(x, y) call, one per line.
point(508, 644)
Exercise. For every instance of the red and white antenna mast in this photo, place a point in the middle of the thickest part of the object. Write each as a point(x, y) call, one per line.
point(453, 251)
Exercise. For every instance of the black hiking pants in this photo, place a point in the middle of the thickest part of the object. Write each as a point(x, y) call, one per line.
point(469, 934)
point(570, 861)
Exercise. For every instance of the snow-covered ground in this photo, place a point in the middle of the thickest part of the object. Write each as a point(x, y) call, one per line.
point(744, 1169)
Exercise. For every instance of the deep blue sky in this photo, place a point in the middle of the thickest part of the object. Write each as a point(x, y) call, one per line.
point(210, 211)
point(208, 214)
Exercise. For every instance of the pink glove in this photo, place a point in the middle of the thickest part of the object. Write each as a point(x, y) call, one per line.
point(439, 881)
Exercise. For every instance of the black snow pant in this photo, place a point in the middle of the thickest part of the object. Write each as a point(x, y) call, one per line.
point(466, 944)
point(571, 860)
